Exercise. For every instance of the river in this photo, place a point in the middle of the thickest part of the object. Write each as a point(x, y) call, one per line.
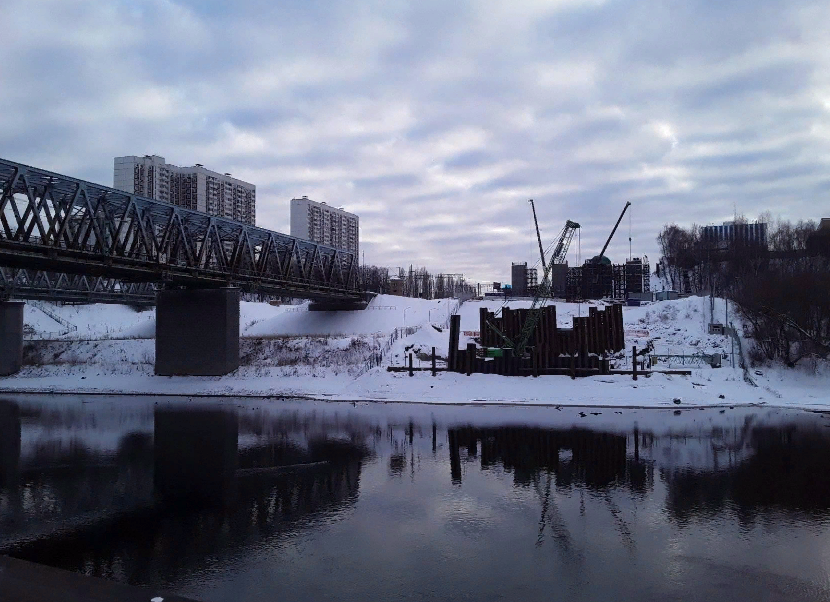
point(238, 499)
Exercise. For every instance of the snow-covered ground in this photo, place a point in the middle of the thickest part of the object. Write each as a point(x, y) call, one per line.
point(290, 351)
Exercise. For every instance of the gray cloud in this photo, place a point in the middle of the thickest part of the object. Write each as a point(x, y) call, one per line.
point(436, 121)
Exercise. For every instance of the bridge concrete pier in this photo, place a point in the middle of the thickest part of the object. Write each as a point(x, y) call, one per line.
point(197, 332)
point(11, 337)
point(195, 456)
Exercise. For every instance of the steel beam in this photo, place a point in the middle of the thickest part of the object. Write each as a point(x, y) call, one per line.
point(73, 288)
point(55, 223)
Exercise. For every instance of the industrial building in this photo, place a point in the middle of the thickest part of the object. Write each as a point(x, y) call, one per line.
point(396, 287)
point(191, 187)
point(602, 280)
point(321, 223)
point(724, 236)
point(524, 280)
point(559, 279)
point(818, 243)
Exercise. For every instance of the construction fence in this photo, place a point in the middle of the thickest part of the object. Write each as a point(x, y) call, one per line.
point(578, 351)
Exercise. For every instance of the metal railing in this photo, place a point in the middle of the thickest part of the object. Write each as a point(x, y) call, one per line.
point(453, 311)
point(377, 356)
point(699, 359)
point(73, 288)
point(70, 327)
point(730, 330)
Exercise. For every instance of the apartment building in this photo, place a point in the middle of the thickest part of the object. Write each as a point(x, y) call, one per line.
point(324, 224)
point(193, 187)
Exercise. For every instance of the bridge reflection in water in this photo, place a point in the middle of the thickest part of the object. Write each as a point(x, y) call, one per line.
point(191, 500)
point(189, 505)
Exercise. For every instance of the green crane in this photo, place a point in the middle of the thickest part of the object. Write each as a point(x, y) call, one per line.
point(560, 252)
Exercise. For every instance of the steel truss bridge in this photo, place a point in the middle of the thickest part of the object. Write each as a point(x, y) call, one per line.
point(67, 239)
point(73, 288)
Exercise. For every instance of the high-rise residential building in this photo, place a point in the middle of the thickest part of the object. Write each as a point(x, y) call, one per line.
point(324, 224)
point(192, 187)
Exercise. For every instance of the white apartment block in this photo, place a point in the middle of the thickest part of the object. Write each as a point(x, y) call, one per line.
point(326, 225)
point(192, 187)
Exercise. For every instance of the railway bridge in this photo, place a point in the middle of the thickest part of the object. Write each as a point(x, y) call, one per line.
point(56, 230)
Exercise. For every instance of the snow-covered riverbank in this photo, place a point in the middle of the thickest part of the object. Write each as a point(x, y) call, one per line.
point(289, 351)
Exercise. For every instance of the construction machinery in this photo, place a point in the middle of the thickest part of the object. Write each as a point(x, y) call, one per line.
point(543, 292)
point(538, 236)
point(599, 258)
point(595, 278)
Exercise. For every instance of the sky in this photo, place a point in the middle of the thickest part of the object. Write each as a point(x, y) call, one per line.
point(436, 121)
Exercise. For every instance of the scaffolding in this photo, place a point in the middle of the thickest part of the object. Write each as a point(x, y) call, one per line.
point(606, 281)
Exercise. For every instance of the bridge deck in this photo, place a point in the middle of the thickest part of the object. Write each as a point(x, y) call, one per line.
point(57, 223)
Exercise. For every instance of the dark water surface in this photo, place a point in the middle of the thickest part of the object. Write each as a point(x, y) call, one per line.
point(321, 501)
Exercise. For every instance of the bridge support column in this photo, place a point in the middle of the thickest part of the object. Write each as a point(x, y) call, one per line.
point(197, 332)
point(11, 337)
point(195, 456)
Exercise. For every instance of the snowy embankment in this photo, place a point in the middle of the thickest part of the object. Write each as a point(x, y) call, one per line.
point(289, 351)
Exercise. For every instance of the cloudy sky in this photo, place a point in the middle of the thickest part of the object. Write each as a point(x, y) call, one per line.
point(436, 120)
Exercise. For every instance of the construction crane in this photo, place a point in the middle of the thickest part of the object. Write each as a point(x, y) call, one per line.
point(564, 243)
point(560, 252)
point(538, 236)
point(599, 257)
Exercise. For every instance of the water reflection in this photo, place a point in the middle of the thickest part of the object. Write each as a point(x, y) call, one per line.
point(596, 460)
point(177, 495)
point(165, 503)
point(786, 470)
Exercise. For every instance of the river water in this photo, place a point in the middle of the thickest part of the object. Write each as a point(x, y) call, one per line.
point(299, 500)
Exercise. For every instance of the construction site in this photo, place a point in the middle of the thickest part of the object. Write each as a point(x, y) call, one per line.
point(596, 278)
point(529, 341)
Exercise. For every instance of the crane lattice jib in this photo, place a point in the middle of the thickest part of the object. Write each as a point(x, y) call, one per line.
point(565, 238)
point(543, 291)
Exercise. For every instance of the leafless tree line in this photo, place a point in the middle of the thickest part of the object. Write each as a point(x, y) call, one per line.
point(415, 282)
point(782, 290)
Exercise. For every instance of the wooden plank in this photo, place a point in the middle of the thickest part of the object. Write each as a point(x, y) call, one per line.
point(588, 334)
point(592, 326)
point(516, 326)
point(483, 329)
point(603, 331)
point(612, 327)
point(620, 328)
point(455, 334)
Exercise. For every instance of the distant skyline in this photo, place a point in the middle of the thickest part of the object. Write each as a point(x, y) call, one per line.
point(436, 121)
